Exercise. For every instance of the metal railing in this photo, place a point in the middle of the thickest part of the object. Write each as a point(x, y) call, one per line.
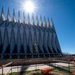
point(2, 67)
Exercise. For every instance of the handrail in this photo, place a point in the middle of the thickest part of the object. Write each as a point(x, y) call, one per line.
point(2, 66)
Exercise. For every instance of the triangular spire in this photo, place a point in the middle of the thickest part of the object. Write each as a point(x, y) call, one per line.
point(14, 18)
point(41, 23)
point(28, 19)
point(2, 14)
point(37, 22)
point(45, 23)
point(19, 21)
point(23, 17)
point(8, 15)
point(32, 20)
point(52, 25)
point(48, 23)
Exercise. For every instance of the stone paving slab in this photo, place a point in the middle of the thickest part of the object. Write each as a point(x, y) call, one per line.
point(29, 68)
point(22, 68)
point(63, 64)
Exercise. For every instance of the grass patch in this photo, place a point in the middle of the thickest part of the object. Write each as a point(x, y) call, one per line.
point(56, 70)
point(19, 73)
point(61, 71)
point(71, 67)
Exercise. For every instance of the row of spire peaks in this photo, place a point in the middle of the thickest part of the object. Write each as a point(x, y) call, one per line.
point(46, 23)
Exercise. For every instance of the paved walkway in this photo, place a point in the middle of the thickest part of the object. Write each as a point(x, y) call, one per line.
point(63, 64)
point(28, 68)
point(22, 68)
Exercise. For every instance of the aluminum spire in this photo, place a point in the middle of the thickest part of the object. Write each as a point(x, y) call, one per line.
point(33, 20)
point(28, 19)
point(48, 23)
point(23, 17)
point(14, 18)
point(37, 22)
point(41, 23)
point(45, 23)
point(2, 15)
point(19, 21)
point(51, 24)
point(8, 16)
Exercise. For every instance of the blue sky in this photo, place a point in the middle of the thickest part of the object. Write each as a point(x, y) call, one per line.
point(63, 14)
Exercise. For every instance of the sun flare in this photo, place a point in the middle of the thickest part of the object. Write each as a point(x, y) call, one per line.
point(29, 6)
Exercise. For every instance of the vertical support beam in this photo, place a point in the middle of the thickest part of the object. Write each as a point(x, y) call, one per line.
point(30, 42)
point(18, 42)
point(5, 40)
point(12, 41)
point(25, 41)
point(50, 35)
point(45, 43)
point(37, 39)
point(40, 43)
point(36, 42)
point(54, 45)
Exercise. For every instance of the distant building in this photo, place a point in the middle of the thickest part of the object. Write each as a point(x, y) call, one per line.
point(25, 40)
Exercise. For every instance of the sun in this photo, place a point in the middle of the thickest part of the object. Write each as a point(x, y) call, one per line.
point(29, 6)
